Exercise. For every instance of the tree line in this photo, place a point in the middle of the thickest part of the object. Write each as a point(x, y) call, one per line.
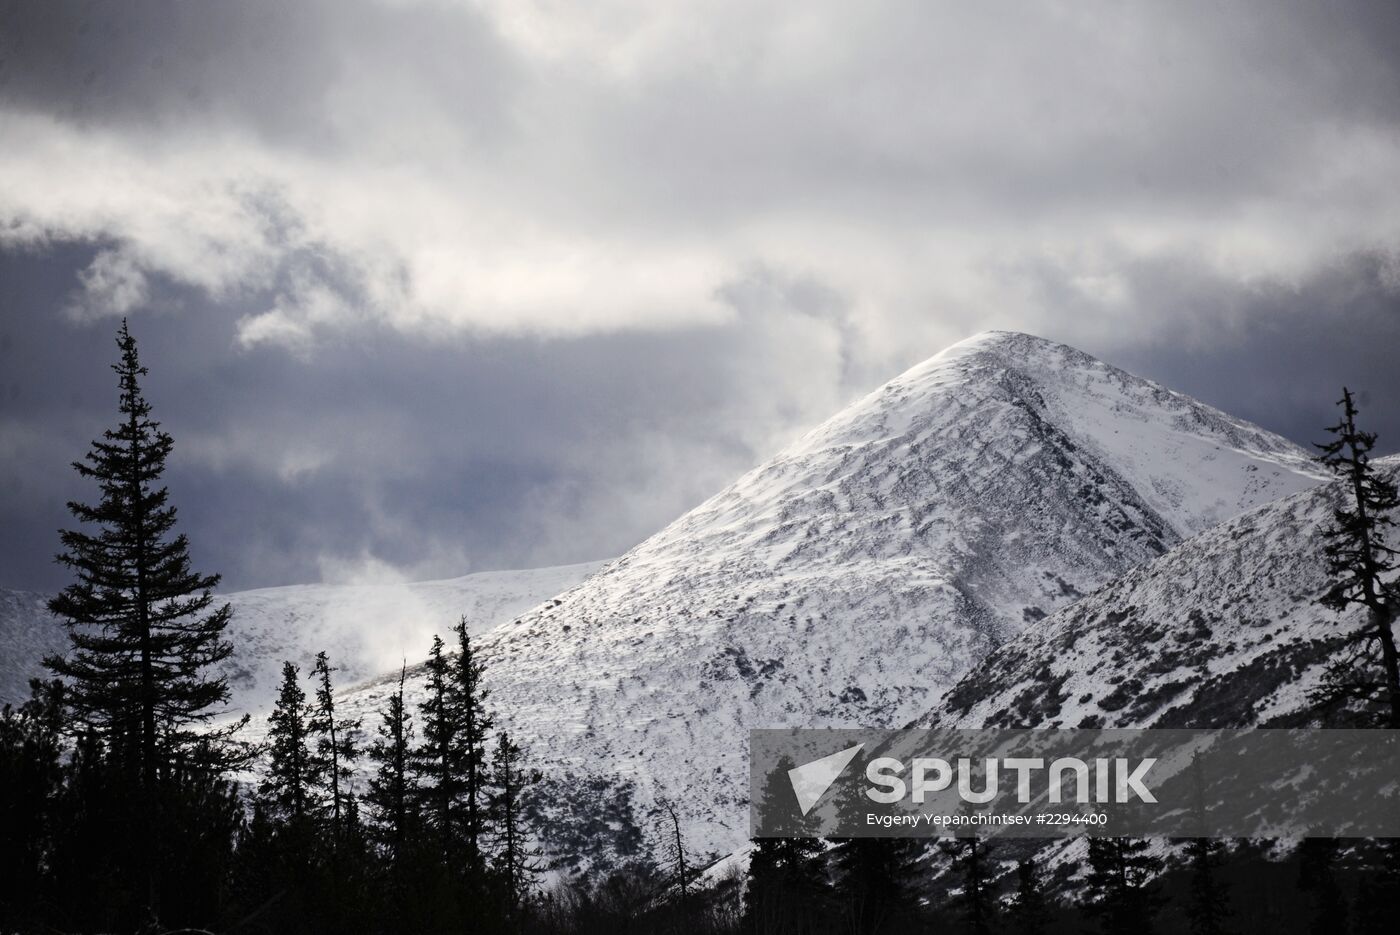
point(131, 799)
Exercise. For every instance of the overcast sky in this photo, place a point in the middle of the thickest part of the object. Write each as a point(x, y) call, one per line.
point(438, 286)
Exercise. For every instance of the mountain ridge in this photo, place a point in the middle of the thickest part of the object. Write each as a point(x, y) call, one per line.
point(852, 578)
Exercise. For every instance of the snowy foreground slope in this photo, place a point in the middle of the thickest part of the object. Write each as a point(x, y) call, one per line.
point(364, 628)
point(853, 578)
point(1223, 631)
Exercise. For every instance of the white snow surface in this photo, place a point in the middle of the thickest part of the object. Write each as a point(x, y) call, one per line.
point(363, 628)
point(1224, 631)
point(853, 578)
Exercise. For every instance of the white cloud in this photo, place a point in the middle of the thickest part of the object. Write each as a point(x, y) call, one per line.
point(594, 168)
point(112, 284)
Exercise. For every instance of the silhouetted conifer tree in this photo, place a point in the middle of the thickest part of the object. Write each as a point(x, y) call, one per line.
point(288, 788)
point(392, 792)
point(1317, 876)
point(516, 862)
point(874, 882)
point(787, 890)
point(437, 761)
point(1119, 885)
point(144, 629)
point(1360, 560)
point(1208, 905)
point(975, 904)
point(1029, 912)
point(678, 864)
point(475, 723)
point(336, 745)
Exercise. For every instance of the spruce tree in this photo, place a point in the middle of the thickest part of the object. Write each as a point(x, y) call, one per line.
point(1030, 913)
point(1359, 560)
point(437, 761)
point(144, 629)
point(392, 792)
point(875, 882)
point(1208, 905)
point(1119, 885)
point(1317, 876)
point(516, 863)
point(337, 745)
point(469, 707)
point(145, 633)
point(976, 903)
point(787, 889)
point(289, 787)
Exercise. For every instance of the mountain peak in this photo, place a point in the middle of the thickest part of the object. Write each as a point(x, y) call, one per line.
point(853, 578)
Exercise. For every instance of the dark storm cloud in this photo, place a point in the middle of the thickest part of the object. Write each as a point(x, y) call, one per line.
point(1286, 350)
point(431, 457)
point(431, 285)
point(281, 69)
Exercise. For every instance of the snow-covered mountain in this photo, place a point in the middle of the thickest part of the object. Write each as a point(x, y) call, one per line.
point(853, 578)
point(1223, 631)
point(364, 628)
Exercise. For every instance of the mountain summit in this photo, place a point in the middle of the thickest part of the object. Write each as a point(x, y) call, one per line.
point(851, 579)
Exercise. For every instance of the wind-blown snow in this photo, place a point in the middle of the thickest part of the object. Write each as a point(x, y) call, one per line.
point(364, 628)
point(852, 579)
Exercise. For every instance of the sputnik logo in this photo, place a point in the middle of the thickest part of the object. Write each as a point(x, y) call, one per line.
point(811, 780)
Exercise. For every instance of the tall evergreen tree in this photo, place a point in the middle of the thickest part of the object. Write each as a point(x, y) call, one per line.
point(976, 903)
point(289, 786)
point(144, 630)
point(337, 745)
point(874, 882)
point(1359, 560)
point(1317, 876)
point(1119, 885)
point(787, 890)
point(469, 702)
point(145, 634)
point(1030, 913)
point(437, 761)
point(392, 793)
point(516, 862)
point(1208, 905)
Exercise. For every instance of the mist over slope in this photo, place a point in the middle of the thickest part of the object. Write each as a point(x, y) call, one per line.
point(364, 628)
point(854, 577)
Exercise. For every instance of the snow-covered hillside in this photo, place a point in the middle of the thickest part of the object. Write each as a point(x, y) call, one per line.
point(853, 578)
point(364, 628)
point(1223, 631)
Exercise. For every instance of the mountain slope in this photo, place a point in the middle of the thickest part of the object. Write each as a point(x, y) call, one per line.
point(855, 576)
point(1223, 631)
point(365, 628)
